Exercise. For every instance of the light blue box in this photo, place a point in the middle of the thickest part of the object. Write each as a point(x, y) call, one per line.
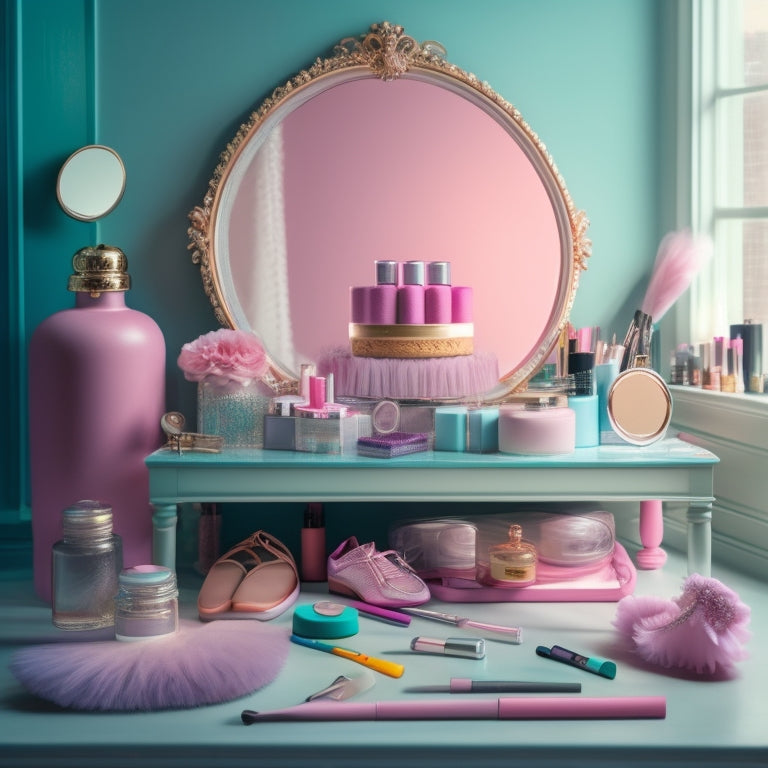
point(451, 428)
point(484, 430)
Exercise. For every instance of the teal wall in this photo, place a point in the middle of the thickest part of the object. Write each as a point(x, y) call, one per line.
point(167, 82)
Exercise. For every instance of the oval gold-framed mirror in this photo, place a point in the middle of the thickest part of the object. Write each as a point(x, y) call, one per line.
point(386, 150)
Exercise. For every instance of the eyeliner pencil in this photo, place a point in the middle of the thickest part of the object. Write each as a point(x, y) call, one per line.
point(465, 685)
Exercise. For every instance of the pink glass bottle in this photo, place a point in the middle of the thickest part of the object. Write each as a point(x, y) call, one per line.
point(410, 295)
point(437, 294)
point(383, 296)
point(96, 396)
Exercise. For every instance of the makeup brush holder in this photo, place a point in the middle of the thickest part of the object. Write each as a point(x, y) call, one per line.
point(233, 411)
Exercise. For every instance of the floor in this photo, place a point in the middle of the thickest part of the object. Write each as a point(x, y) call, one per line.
point(710, 721)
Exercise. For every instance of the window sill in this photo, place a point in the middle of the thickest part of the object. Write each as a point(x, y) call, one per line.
point(736, 418)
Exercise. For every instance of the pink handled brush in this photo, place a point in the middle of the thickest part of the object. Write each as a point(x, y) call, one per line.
point(679, 258)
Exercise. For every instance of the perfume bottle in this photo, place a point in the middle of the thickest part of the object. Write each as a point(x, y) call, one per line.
point(96, 396)
point(86, 563)
point(514, 561)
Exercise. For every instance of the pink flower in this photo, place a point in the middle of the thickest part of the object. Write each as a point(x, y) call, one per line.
point(225, 355)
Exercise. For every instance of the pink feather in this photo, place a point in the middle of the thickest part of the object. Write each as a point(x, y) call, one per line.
point(679, 257)
point(200, 664)
point(703, 629)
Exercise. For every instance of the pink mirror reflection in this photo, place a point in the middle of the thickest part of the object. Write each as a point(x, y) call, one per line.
point(399, 170)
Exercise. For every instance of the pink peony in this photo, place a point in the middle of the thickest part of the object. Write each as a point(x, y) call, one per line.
point(225, 355)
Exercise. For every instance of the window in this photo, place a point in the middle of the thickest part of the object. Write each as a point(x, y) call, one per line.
point(729, 191)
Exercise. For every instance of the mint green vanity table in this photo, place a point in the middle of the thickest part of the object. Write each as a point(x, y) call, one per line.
point(670, 470)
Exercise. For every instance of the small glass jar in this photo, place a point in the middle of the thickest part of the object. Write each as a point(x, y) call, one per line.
point(147, 604)
point(233, 410)
point(513, 563)
point(85, 567)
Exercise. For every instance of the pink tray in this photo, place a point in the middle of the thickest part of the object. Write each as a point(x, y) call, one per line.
point(607, 581)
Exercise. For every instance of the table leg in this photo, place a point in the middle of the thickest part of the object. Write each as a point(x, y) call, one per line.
point(164, 535)
point(651, 556)
point(700, 538)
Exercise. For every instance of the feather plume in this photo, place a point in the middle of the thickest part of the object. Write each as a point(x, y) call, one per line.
point(702, 629)
point(200, 664)
point(679, 257)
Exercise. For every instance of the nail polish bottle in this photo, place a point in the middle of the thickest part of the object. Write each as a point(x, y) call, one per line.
point(437, 294)
point(513, 563)
point(410, 295)
point(313, 554)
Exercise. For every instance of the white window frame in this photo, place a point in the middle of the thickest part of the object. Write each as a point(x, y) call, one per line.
point(715, 298)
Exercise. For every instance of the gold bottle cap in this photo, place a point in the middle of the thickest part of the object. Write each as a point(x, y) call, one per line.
point(98, 269)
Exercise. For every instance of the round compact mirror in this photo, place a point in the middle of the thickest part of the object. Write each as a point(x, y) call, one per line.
point(639, 406)
point(91, 182)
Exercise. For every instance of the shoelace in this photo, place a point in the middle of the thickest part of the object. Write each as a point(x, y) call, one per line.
point(392, 565)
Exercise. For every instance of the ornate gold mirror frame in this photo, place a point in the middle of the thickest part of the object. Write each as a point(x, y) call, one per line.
point(385, 53)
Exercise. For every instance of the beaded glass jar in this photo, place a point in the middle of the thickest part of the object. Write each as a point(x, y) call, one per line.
point(233, 411)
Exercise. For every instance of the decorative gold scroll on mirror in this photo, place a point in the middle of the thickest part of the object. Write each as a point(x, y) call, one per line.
point(385, 150)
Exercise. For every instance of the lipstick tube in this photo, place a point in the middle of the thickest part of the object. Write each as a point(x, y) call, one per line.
point(464, 647)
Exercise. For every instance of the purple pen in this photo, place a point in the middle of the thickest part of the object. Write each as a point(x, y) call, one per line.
point(377, 612)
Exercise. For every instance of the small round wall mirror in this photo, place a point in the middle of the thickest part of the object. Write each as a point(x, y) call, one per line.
point(91, 182)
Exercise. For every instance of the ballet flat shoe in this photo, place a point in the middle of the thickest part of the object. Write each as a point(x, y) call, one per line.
point(257, 579)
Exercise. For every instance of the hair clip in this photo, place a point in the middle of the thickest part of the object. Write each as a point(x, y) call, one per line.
point(179, 441)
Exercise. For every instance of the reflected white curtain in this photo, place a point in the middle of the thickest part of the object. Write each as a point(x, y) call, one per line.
point(267, 302)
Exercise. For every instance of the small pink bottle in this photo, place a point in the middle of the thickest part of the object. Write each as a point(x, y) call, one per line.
point(410, 295)
point(382, 297)
point(96, 396)
point(437, 294)
point(313, 555)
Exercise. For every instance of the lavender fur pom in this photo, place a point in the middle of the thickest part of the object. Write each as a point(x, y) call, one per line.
point(200, 664)
point(702, 629)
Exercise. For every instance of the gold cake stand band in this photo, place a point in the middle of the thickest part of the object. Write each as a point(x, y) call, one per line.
point(412, 341)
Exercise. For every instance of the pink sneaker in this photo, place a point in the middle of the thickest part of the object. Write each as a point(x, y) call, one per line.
point(378, 578)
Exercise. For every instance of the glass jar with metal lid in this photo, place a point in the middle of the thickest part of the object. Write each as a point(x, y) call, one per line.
point(147, 603)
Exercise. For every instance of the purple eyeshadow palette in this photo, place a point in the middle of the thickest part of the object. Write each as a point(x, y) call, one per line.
point(392, 444)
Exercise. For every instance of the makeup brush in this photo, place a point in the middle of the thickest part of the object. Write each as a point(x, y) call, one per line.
point(200, 664)
point(679, 257)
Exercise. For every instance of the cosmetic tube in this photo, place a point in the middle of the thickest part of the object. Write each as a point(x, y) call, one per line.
point(593, 664)
point(313, 554)
point(410, 295)
point(511, 708)
point(437, 294)
point(463, 647)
